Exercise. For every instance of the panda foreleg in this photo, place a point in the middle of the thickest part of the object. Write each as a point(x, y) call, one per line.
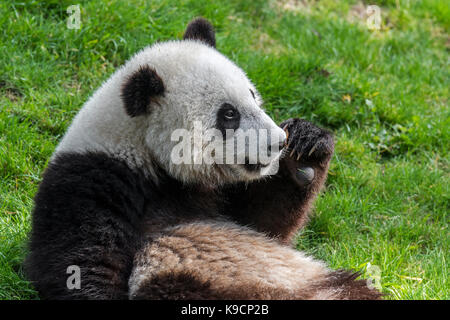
point(86, 223)
point(279, 205)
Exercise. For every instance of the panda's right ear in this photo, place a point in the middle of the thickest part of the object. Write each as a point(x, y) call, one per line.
point(140, 90)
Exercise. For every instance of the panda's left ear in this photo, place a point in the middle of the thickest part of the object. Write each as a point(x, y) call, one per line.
point(201, 29)
point(140, 90)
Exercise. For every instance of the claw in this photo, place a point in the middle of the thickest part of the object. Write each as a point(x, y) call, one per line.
point(292, 152)
point(288, 145)
point(313, 148)
point(287, 134)
point(299, 155)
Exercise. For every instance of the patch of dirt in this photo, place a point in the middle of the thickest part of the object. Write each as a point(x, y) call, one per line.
point(13, 94)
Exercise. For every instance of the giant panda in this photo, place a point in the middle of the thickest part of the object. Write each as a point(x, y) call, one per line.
point(114, 204)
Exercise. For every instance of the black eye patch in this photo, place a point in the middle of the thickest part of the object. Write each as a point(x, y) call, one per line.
point(228, 117)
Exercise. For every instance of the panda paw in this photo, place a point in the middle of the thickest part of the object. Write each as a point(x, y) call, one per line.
point(305, 141)
point(308, 149)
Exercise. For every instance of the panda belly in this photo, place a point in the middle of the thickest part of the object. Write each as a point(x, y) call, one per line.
point(221, 260)
point(214, 259)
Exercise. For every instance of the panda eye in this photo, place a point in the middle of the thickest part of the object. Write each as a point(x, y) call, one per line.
point(230, 114)
point(228, 117)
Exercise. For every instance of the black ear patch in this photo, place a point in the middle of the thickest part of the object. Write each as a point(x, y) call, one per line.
point(201, 29)
point(140, 90)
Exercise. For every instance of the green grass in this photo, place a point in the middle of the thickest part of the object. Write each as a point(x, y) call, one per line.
point(384, 93)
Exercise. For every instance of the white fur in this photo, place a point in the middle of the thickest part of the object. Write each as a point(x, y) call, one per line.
point(198, 80)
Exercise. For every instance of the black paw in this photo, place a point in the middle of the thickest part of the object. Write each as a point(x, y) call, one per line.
point(306, 142)
point(307, 151)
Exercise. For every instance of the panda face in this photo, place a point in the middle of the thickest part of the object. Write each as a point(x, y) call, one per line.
point(203, 93)
point(182, 86)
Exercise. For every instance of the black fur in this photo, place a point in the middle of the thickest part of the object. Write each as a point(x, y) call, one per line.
point(201, 29)
point(223, 123)
point(89, 212)
point(140, 89)
point(176, 287)
point(312, 143)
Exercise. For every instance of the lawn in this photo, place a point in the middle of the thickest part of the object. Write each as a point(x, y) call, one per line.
point(383, 92)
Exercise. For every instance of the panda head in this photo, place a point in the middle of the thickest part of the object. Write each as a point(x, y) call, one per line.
point(175, 101)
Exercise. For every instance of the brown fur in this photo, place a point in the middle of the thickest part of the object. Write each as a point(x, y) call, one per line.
point(217, 260)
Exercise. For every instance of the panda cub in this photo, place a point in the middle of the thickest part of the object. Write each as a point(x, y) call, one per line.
point(114, 204)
